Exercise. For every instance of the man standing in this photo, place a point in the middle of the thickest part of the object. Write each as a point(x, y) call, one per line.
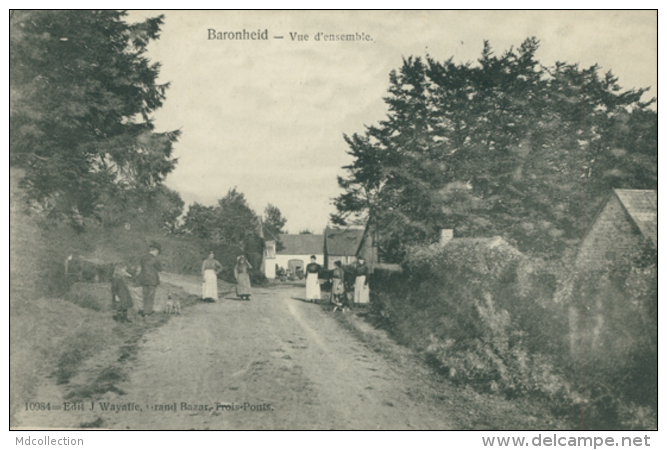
point(149, 277)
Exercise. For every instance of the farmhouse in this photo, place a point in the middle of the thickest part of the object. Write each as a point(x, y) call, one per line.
point(296, 253)
point(341, 245)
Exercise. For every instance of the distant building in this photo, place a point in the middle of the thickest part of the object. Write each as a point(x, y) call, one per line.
point(296, 252)
point(342, 245)
point(625, 226)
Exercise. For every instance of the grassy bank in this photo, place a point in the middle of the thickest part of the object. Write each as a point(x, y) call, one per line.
point(61, 329)
point(469, 408)
point(74, 344)
point(487, 317)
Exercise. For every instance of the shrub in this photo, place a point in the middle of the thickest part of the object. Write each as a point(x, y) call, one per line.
point(480, 312)
point(616, 307)
point(486, 315)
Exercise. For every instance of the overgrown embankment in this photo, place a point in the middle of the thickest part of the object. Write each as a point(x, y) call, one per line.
point(61, 327)
point(486, 315)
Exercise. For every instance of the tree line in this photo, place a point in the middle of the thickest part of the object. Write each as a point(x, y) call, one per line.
point(231, 221)
point(82, 92)
point(503, 146)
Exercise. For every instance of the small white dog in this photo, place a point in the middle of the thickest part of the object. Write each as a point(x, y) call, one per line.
point(172, 306)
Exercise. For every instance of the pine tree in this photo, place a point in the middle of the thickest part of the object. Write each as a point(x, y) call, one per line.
point(504, 146)
point(81, 96)
point(274, 224)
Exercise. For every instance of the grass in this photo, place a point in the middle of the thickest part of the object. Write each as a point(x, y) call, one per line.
point(470, 409)
point(59, 326)
point(101, 366)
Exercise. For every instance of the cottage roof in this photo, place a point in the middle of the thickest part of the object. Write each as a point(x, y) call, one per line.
point(302, 244)
point(642, 207)
point(343, 242)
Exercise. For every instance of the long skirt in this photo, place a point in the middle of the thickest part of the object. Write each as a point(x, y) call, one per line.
point(312, 287)
point(361, 291)
point(122, 298)
point(243, 285)
point(210, 289)
point(338, 287)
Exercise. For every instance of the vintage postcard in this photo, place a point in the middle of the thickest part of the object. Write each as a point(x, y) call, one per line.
point(333, 220)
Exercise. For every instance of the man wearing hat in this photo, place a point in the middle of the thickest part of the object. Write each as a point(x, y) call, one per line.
point(149, 277)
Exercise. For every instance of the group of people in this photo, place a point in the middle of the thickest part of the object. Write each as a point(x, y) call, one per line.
point(149, 279)
point(211, 268)
point(338, 293)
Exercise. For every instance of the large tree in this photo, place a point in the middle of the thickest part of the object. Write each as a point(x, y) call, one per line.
point(274, 225)
point(237, 221)
point(504, 146)
point(231, 227)
point(81, 96)
point(149, 208)
point(231, 221)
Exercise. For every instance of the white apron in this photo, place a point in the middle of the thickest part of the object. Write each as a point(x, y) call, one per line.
point(312, 287)
point(210, 287)
point(361, 291)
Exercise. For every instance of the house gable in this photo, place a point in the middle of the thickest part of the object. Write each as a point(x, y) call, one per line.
point(642, 207)
point(341, 245)
point(613, 234)
point(343, 242)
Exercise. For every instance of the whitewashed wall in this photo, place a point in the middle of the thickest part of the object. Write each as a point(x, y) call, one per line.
point(283, 261)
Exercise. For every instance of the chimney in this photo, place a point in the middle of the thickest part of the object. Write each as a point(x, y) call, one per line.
point(446, 235)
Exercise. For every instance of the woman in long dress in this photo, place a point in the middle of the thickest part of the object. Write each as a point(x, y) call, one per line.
point(312, 280)
point(209, 272)
point(120, 294)
point(361, 290)
point(241, 273)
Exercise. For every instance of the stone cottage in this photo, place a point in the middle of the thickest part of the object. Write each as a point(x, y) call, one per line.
point(625, 226)
point(609, 313)
point(341, 245)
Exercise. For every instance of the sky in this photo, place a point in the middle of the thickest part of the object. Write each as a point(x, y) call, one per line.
point(268, 116)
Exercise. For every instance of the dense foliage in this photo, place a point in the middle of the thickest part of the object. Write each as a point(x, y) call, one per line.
point(505, 146)
point(232, 228)
point(274, 225)
point(498, 320)
point(81, 96)
point(473, 309)
point(617, 345)
point(142, 208)
point(231, 221)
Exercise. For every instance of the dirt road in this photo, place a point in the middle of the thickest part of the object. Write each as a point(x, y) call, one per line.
point(274, 362)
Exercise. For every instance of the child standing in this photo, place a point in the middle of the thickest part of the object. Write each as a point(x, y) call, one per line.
point(338, 295)
point(120, 294)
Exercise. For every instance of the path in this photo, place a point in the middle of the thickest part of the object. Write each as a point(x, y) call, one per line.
point(275, 362)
